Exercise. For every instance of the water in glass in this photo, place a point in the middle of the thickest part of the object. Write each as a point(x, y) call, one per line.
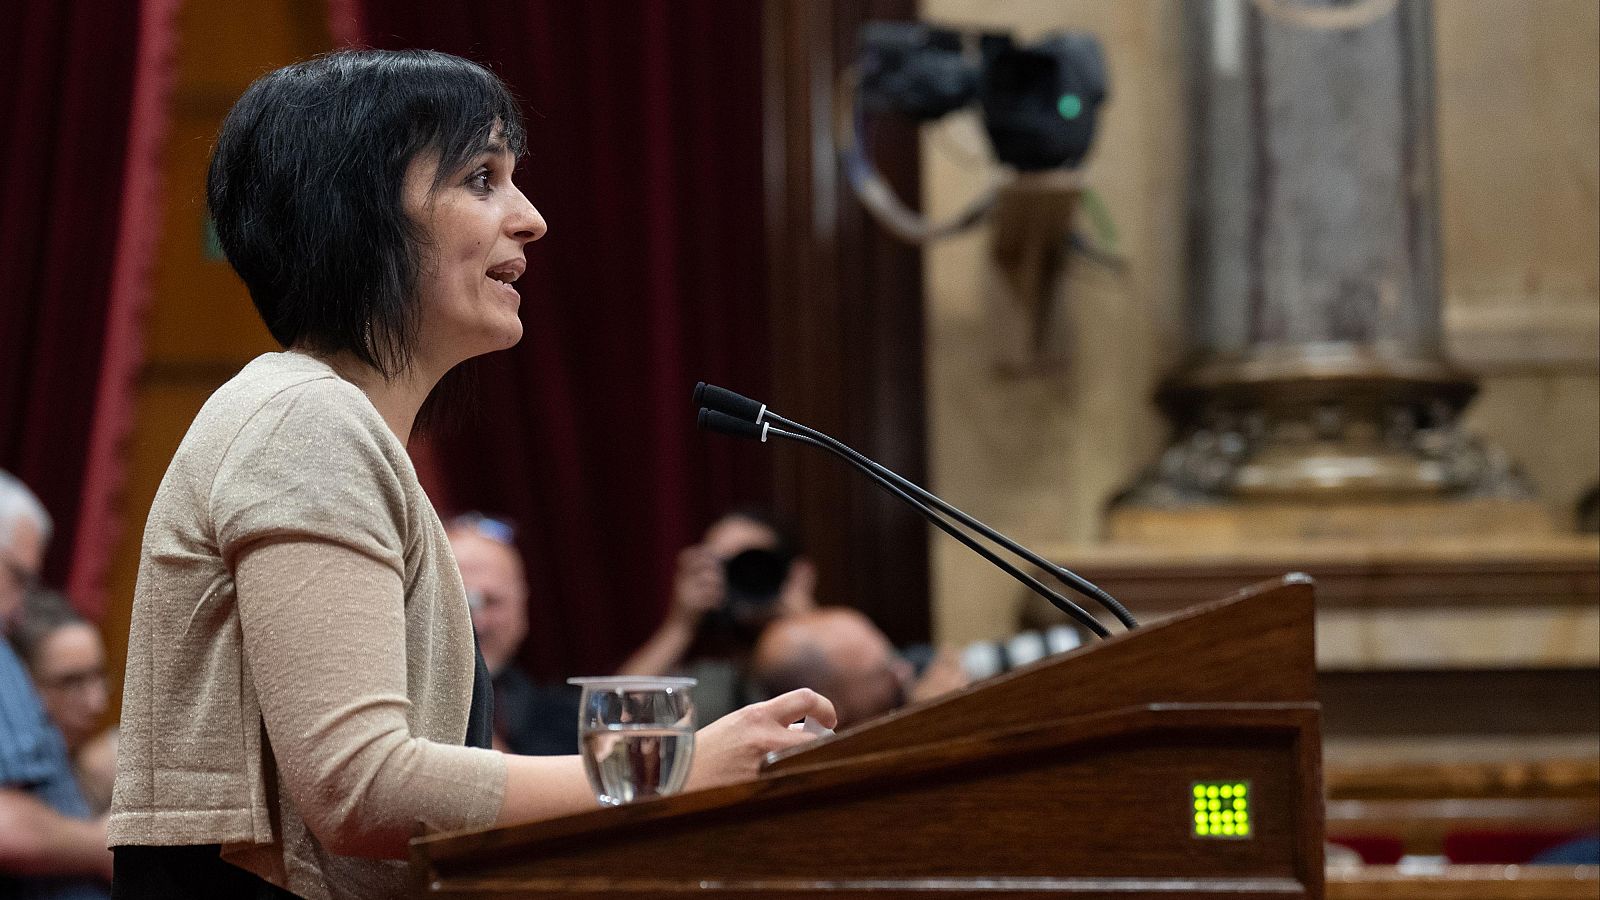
point(637, 736)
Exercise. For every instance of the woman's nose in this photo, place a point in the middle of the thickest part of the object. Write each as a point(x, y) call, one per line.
point(526, 224)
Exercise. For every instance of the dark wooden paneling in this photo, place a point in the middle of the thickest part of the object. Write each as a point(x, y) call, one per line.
point(1137, 666)
point(1030, 784)
point(846, 320)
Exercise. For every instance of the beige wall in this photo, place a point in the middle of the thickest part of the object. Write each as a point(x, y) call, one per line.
point(1519, 172)
point(1038, 456)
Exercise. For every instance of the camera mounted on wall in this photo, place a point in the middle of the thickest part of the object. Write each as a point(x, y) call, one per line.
point(1039, 104)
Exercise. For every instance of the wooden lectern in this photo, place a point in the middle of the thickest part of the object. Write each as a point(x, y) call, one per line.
point(1182, 759)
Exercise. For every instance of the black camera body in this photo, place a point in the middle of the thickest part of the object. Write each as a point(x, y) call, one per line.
point(753, 581)
point(1040, 102)
point(915, 70)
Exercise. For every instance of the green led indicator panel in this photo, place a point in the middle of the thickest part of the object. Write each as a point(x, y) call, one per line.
point(1221, 809)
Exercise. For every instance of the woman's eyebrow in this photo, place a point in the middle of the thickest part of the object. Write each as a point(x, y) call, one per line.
point(492, 148)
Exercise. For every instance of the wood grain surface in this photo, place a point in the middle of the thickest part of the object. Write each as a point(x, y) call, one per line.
point(1466, 883)
point(1073, 776)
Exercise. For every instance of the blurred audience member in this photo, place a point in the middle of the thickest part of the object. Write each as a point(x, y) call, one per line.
point(839, 653)
point(1583, 850)
point(497, 590)
point(744, 573)
point(529, 718)
point(67, 660)
point(49, 844)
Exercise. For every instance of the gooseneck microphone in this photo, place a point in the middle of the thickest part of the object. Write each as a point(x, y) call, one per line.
point(1064, 575)
point(713, 420)
point(734, 414)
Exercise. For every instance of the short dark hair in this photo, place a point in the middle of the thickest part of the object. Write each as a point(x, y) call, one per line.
point(770, 518)
point(43, 613)
point(306, 189)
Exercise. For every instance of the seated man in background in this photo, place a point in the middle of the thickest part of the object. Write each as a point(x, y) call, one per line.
point(839, 653)
point(529, 718)
point(745, 573)
point(67, 661)
point(49, 845)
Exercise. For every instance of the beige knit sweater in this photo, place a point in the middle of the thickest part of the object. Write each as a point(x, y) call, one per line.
point(300, 659)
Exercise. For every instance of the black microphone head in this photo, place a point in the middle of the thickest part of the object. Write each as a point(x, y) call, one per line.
point(722, 423)
point(722, 400)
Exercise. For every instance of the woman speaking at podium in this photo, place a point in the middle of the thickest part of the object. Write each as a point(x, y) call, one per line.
point(302, 696)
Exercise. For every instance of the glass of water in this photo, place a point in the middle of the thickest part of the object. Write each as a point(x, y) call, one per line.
point(636, 735)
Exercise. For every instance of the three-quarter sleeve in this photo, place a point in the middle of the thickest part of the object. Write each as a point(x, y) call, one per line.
point(306, 507)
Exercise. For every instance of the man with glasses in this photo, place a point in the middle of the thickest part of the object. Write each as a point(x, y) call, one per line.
point(530, 718)
point(49, 845)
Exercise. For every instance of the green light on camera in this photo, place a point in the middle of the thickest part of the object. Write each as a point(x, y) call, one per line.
point(1070, 106)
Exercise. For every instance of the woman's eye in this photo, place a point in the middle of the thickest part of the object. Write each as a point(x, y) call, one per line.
point(479, 180)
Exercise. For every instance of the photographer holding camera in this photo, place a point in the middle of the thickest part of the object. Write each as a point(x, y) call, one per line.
point(744, 574)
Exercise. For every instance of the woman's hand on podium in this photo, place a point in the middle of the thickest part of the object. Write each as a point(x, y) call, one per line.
point(732, 748)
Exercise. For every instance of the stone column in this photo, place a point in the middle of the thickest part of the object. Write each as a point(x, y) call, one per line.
point(1317, 368)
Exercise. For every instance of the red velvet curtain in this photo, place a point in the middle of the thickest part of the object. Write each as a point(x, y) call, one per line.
point(82, 92)
point(645, 157)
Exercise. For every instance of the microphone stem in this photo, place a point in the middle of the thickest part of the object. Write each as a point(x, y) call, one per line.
point(1067, 606)
point(1066, 576)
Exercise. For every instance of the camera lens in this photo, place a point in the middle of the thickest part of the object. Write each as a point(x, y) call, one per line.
point(756, 574)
